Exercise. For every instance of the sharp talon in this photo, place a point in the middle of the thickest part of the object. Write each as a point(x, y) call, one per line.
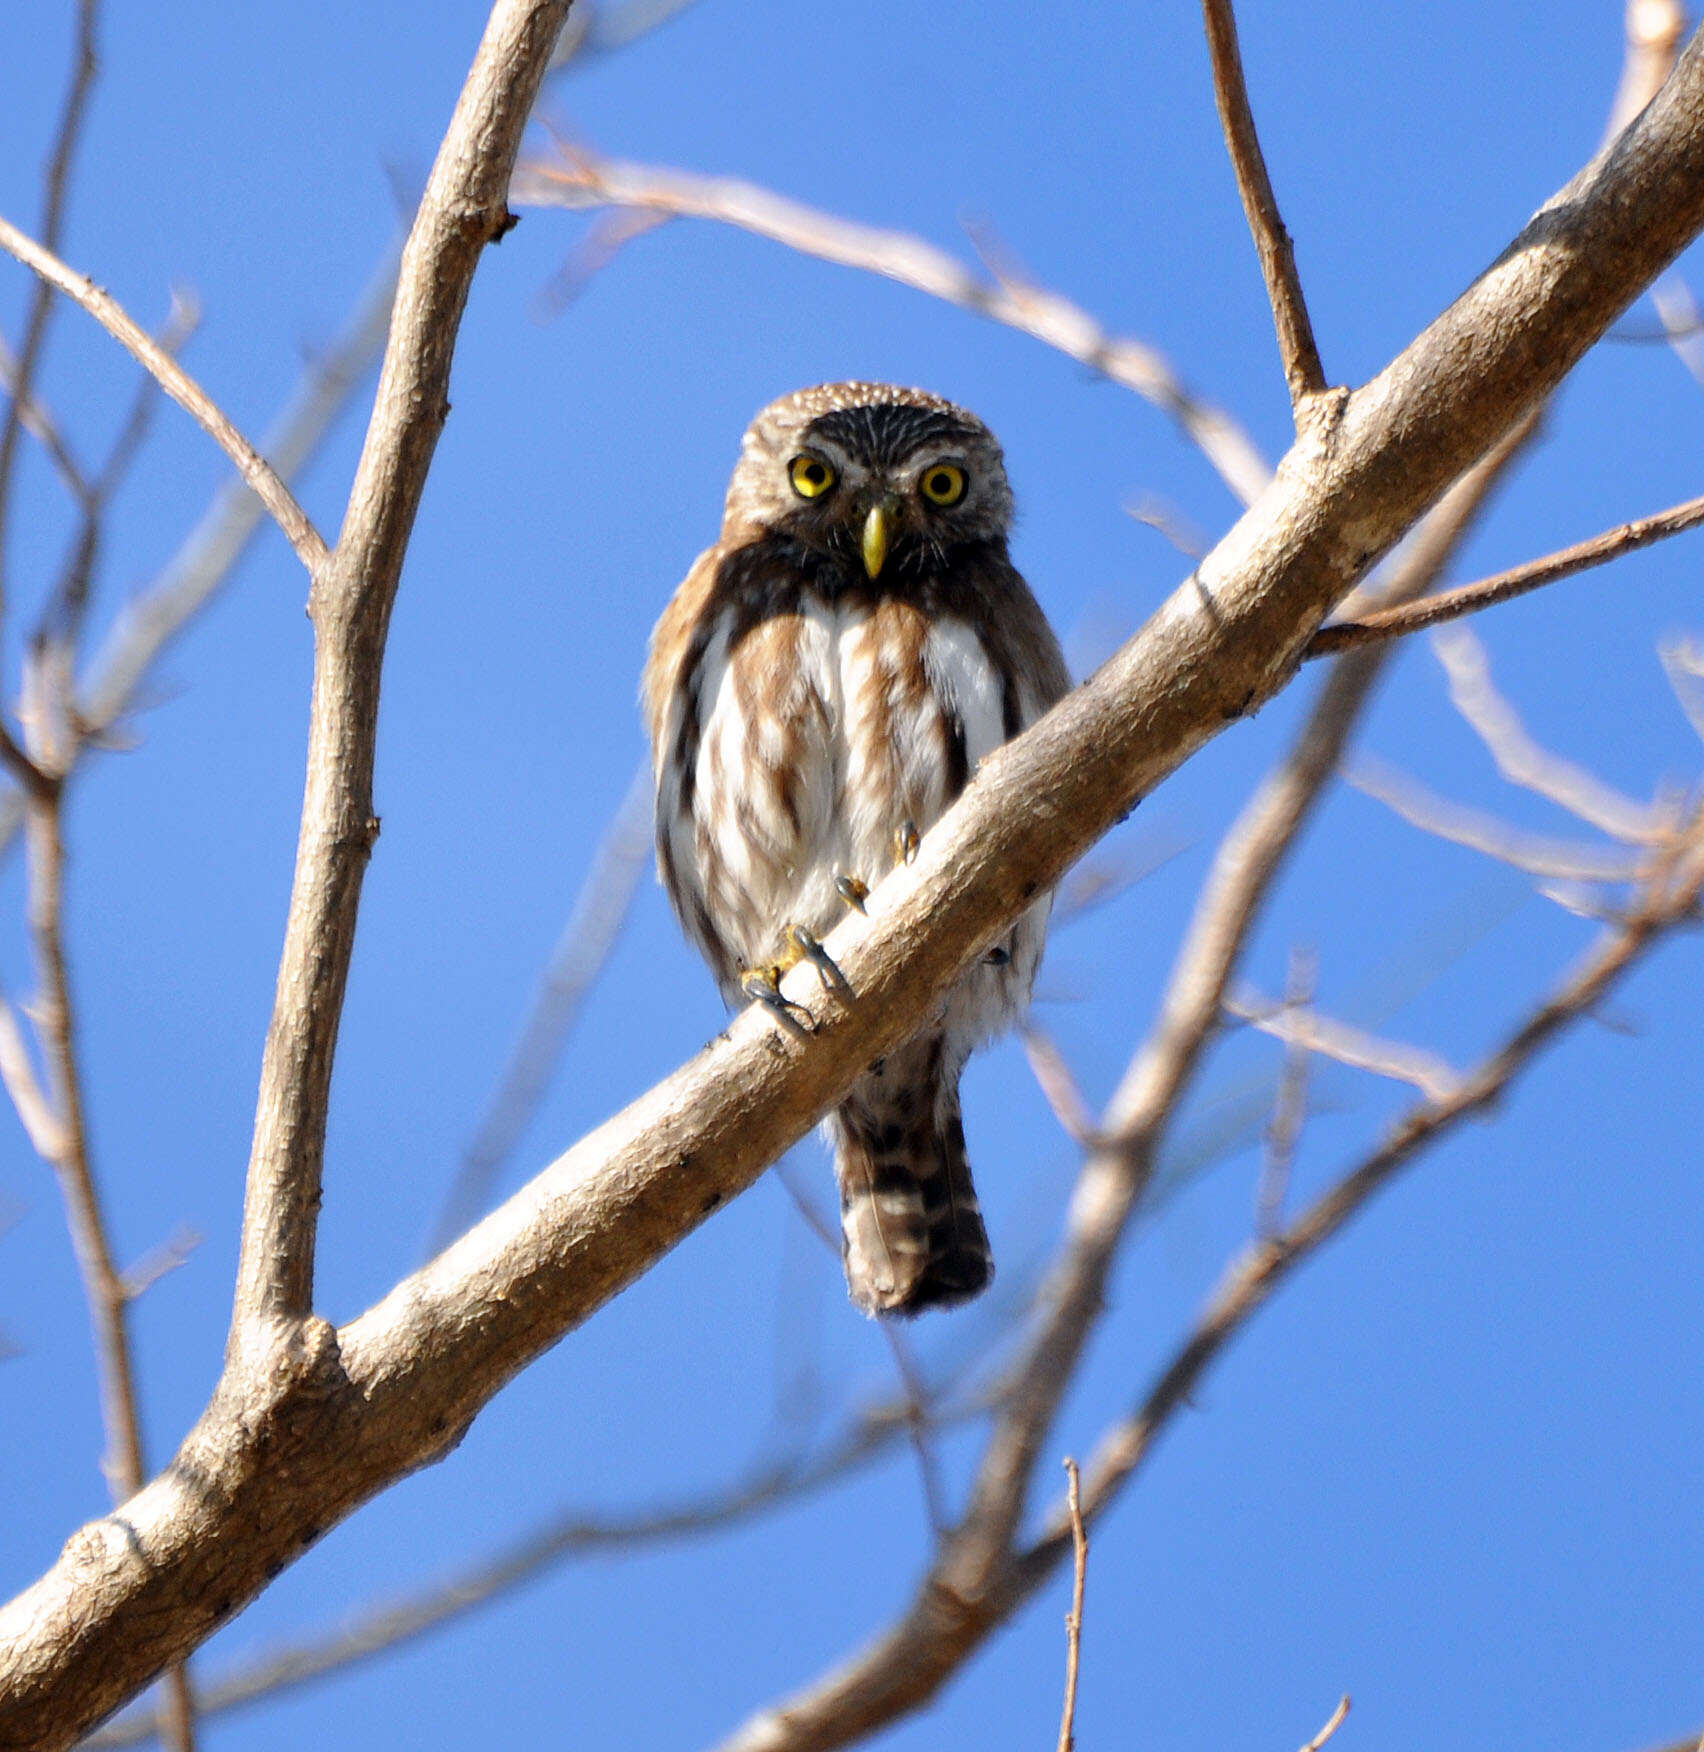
point(763, 986)
point(802, 946)
point(852, 891)
point(906, 840)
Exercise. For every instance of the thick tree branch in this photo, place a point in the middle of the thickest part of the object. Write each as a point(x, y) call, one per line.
point(462, 210)
point(178, 384)
point(1302, 369)
point(284, 1452)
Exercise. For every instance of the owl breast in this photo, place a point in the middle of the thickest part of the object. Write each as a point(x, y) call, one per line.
point(806, 742)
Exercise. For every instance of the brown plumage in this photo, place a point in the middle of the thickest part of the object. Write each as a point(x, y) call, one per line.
point(819, 689)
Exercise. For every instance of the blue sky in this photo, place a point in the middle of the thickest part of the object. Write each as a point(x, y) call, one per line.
point(1454, 1469)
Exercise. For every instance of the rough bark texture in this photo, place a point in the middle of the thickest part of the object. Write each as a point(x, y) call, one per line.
point(311, 1423)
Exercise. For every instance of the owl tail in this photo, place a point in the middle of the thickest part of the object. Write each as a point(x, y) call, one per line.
point(911, 1227)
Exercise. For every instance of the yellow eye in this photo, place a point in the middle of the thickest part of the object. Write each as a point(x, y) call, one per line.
point(943, 484)
point(810, 475)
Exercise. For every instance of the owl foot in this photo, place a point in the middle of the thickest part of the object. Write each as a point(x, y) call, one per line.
point(800, 945)
point(853, 891)
point(763, 986)
point(906, 840)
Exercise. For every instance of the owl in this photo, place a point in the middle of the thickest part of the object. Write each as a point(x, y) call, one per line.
point(818, 691)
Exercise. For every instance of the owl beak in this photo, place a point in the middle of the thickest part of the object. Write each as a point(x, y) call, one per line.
point(876, 539)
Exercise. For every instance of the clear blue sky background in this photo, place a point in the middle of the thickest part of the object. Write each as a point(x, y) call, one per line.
point(1456, 1468)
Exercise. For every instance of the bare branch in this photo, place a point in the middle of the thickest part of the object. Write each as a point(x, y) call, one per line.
point(61, 618)
point(1053, 1077)
point(1423, 808)
point(1120, 1166)
point(1302, 369)
point(103, 1286)
point(1683, 323)
point(1654, 29)
point(1305, 1028)
point(600, 910)
point(560, 1538)
point(1683, 663)
point(219, 540)
point(55, 193)
point(1074, 1618)
point(1290, 1103)
point(102, 1283)
point(1333, 1722)
point(323, 1419)
point(159, 1262)
point(575, 179)
point(462, 210)
point(1668, 901)
point(915, 1407)
point(18, 1072)
point(1448, 605)
point(1522, 761)
point(178, 384)
point(943, 1627)
point(38, 420)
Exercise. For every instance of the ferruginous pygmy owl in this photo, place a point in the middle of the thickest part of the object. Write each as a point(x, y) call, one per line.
point(818, 691)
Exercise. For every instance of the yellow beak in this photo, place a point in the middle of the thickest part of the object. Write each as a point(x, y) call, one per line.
point(875, 540)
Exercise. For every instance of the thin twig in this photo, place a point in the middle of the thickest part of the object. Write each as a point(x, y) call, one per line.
point(1448, 605)
point(179, 385)
point(916, 1400)
point(1668, 901)
point(61, 618)
point(1536, 854)
point(577, 179)
point(103, 1285)
point(1074, 1618)
point(1683, 663)
point(17, 1071)
point(1302, 369)
point(1290, 1104)
point(212, 549)
point(600, 910)
point(145, 625)
point(1058, 1085)
point(1522, 760)
point(1683, 323)
point(38, 420)
point(1333, 1722)
point(56, 188)
point(1305, 1030)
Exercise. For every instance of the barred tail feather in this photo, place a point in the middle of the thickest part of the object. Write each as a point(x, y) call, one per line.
point(912, 1229)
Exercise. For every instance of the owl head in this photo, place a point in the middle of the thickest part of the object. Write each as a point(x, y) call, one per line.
point(886, 479)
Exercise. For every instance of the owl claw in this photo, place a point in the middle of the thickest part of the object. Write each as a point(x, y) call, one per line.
point(906, 840)
point(763, 986)
point(803, 946)
point(853, 891)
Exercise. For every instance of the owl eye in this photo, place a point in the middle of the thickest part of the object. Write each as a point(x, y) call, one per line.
point(810, 475)
point(943, 484)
